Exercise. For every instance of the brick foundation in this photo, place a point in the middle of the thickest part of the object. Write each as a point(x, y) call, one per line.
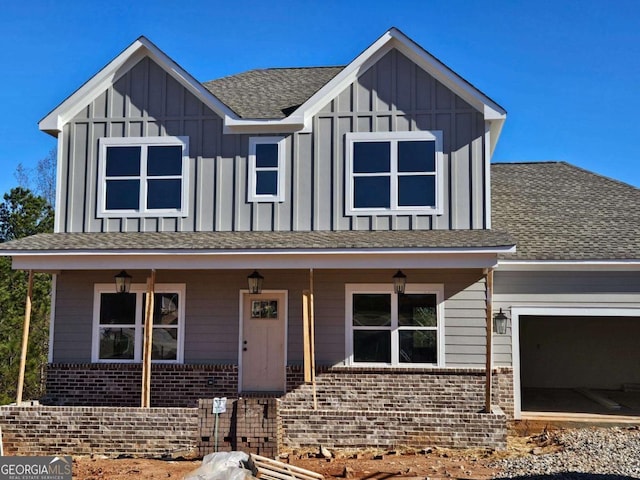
point(250, 425)
point(150, 433)
point(357, 407)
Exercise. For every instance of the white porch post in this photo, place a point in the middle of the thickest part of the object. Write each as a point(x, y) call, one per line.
point(25, 339)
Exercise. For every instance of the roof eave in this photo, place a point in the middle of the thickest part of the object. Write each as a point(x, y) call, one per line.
point(249, 259)
point(512, 265)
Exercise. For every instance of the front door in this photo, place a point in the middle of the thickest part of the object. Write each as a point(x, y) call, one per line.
point(262, 344)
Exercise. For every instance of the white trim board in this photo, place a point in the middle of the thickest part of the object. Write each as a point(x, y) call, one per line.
point(251, 260)
point(567, 265)
point(558, 310)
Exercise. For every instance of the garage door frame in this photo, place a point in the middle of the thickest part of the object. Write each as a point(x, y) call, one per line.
point(556, 310)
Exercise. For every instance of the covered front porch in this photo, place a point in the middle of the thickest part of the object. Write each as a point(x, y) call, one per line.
point(343, 350)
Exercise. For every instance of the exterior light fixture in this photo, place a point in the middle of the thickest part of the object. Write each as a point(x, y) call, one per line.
point(255, 282)
point(500, 323)
point(399, 282)
point(123, 282)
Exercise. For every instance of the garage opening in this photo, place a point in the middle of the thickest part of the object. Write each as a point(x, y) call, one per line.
point(580, 364)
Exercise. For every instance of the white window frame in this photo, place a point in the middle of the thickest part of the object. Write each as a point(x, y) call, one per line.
point(414, 288)
point(252, 196)
point(144, 143)
point(139, 289)
point(393, 138)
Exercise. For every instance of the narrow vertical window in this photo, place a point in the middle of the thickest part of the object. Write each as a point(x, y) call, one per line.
point(266, 169)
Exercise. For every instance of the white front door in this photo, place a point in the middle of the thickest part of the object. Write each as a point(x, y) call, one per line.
point(263, 342)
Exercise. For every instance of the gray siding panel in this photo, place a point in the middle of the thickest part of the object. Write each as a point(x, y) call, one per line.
point(392, 95)
point(211, 327)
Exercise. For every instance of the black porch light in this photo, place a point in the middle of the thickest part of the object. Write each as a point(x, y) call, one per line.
point(123, 282)
point(500, 323)
point(399, 282)
point(255, 282)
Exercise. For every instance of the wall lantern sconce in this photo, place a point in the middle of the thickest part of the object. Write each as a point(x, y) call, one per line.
point(500, 323)
point(399, 282)
point(123, 282)
point(255, 282)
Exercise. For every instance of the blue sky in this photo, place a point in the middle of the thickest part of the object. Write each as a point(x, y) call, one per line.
point(568, 72)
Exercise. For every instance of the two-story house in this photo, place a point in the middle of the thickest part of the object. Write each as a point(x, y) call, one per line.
point(324, 235)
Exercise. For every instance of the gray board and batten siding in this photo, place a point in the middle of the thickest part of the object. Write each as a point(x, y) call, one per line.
point(212, 312)
point(393, 95)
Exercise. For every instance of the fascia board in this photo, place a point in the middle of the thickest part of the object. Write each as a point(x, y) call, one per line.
point(568, 265)
point(251, 260)
point(109, 74)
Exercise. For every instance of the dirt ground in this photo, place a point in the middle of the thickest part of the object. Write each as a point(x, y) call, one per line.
point(370, 465)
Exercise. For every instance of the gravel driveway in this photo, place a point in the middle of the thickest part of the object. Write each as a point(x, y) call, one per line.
point(607, 452)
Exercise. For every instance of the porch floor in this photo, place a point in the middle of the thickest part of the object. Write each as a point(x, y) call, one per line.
point(569, 403)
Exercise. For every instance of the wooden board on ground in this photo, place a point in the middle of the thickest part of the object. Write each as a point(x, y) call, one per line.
point(268, 469)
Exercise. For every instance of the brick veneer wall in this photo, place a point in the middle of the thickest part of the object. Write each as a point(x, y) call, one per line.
point(109, 384)
point(250, 425)
point(444, 404)
point(390, 408)
point(151, 433)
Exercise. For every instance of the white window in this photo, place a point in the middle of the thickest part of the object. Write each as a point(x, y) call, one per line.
point(394, 173)
point(266, 169)
point(118, 324)
point(143, 176)
point(388, 329)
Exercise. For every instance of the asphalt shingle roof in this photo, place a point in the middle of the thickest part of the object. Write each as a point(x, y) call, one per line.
point(556, 211)
point(271, 93)
point(317, 240)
